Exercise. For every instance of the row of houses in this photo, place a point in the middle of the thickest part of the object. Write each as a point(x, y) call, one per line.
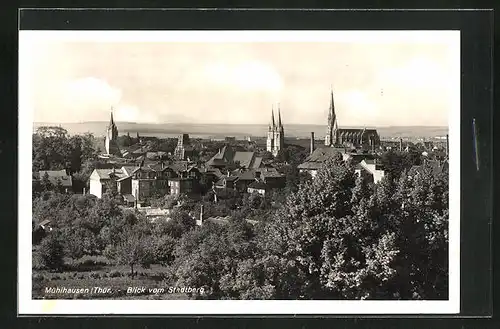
point(366, 163)
point(242, 171)
point(136, 184)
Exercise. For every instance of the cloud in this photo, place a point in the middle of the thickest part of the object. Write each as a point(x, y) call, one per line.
point(92, 91)
point(129, 113)
point(419, 72)
point(88, 97)
point(247, 76)
point(357, 108)
point(395, 84)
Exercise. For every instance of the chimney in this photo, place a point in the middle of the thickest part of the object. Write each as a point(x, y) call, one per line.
point(312, 142)
point(447, 145)
point(401, 145)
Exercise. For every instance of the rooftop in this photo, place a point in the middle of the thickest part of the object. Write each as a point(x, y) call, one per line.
point(55, 176)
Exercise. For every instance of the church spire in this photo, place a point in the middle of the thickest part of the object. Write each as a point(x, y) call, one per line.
point(272, 116)
point(111, 121)
point(279, 115)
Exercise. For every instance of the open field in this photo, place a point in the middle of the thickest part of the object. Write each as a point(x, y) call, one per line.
point(115, 279)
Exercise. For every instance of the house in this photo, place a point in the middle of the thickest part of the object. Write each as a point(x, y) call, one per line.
point(226, 182)
point(259, 187)
point(227, 157)
point(271, 177)
point(211, 175)
point(373, 168)
point(56, 177)
point(102, 179)
point(244, 178)
point(156, 155)
point(143, 183)
point(315, 161)
point(181, 185)
point(128, 200)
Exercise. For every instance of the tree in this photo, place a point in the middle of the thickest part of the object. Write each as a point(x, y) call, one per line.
point(51, 149)
point(339, 237)
point(163, 252)
point(422, 235)
point(266, 155)
point(166, 201)
point(51, 252)
point(209, 257)
point(395, 162)
point(46, 184)
point(133, 249)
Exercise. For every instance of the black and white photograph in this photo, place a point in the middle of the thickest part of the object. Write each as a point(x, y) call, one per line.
point(239, 171)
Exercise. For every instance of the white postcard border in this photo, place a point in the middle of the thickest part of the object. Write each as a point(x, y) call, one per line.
point(28, 306)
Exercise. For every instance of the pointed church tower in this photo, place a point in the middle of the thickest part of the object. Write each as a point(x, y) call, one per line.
point(110, 142)
point(279, 135)
point(332, 128)
point(270, 133)
point(280, 126)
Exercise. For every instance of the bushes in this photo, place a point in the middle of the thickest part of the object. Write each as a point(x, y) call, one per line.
point(51, 252)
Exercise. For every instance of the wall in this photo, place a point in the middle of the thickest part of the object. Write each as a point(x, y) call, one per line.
point(95, 188)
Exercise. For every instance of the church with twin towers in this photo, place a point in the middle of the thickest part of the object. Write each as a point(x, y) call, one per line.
point(275, 134)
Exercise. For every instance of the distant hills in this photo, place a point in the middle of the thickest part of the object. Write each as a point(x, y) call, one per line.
point(98, 128)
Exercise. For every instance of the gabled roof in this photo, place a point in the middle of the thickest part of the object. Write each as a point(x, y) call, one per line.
point(257, 162)
point(105, 174)
point(179, 166)
point(215, 171)
point(319, 156)
point(244, 158)
point(228, 179)
point(128, 170)
point(55, 176)
point(271, 174)
point(247, 175)
point(128, 197)
point(258, 185)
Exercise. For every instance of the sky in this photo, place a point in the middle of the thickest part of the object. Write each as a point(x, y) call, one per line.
point(377, 79)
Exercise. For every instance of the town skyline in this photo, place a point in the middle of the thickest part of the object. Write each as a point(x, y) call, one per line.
point(386, 83)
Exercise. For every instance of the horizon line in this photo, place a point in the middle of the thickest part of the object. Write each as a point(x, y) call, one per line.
point(230, 124)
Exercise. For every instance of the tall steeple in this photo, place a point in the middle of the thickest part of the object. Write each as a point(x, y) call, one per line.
point(332, 116)
point(272, 116)
point(331, 132)
point(111, 121)
point(110, 143)
point(279, 116)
